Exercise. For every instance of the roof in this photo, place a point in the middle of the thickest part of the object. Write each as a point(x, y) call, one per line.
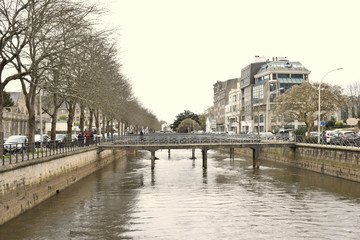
point(15, 96)
point(282, 65)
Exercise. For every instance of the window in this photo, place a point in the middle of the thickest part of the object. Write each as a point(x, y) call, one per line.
point(258, 93)
point(283, 75)
point(297, 76)
point(274, 76)
point(261, 118)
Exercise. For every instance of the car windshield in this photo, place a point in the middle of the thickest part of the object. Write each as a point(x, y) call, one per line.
point(37, 137)
point(60, 136)
point(15, 139)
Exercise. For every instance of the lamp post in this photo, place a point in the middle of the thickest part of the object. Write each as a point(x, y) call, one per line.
point(319, 106)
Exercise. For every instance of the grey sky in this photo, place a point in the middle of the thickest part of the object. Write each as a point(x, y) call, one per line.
point(174, 51)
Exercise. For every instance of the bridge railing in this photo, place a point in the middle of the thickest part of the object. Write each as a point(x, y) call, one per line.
point(162, 139)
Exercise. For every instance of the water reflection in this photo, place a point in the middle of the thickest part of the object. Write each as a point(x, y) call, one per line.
point(181, 200)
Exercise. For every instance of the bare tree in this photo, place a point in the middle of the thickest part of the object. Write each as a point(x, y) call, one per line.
point(353, 93)
point(300, 102)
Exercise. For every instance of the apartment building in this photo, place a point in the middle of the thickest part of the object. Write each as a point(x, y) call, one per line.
point(273, 79)
point(221, 96)
point(247, 81)
point(246, 104)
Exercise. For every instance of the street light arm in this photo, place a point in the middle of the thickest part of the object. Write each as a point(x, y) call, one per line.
point(319, 106)
point(336, 69)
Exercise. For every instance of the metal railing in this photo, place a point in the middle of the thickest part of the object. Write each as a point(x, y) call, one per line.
point(335, 141)
point(20, 152)
point(163, 139)
point(14, 153)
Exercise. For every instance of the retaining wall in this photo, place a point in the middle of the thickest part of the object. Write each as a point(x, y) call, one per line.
point(26, 184)
point(343, 162)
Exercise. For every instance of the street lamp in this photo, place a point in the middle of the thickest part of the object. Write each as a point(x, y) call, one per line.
point(319, 100)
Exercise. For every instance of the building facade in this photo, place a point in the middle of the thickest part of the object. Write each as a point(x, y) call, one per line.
point(273, 79)
point(232, 110)
point(246, 104)
point(247, 81)
point(221, 96)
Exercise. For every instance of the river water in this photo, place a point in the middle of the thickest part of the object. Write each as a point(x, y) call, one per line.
point(181, 200)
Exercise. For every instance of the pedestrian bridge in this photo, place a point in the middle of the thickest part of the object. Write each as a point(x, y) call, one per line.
point(205, 142)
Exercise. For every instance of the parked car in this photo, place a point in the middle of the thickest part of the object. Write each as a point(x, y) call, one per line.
point(329, 135)
point(16, 144)
point(60, 140)
point(74, 140)
point(284, 135)
point(45, 140)
point(345, 138)
point(266, 135)
point(357, 141)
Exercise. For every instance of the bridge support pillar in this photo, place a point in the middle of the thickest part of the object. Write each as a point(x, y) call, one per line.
point(255, 157)
point(152, 159)
point(232, 153)
point(193, 154)
point(204, 157)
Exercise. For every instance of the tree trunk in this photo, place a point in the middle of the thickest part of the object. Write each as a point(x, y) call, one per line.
point(71, 109)
point(91, 121)
point(104, 126)
point(82, 117)
point(1, 117)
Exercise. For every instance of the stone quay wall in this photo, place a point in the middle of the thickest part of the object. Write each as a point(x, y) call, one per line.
point(342, 162)
point(26, 184)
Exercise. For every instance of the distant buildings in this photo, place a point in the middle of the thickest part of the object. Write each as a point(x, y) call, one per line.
point(221, 97)
point(245, 104)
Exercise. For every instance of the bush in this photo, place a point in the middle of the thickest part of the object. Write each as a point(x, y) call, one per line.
point(300, 131)
point(331, 123)
point(339, 124)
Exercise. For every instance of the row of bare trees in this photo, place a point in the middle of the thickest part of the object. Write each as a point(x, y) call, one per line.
point(53, 48)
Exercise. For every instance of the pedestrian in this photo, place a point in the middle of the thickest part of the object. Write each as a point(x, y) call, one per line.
point(141, 135)
point(323, 137)
point(87, 137)
point(81, 139)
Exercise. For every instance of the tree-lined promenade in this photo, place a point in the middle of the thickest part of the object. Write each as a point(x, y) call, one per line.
point(53, 48)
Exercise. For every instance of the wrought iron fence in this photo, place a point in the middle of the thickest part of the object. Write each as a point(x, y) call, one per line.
point(334, 141)
point(20, 152)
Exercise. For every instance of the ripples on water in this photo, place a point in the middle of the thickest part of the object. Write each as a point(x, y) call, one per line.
point(180, 200)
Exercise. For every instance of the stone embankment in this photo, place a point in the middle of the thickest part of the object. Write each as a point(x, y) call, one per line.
point(26, 184)
point(342, 162)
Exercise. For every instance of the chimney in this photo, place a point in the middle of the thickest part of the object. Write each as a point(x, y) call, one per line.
point(260, 59)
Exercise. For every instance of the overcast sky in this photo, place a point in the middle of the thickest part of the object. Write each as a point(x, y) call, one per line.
point(174, 51)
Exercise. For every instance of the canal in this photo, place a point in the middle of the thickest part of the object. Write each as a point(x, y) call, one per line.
point(181, 200)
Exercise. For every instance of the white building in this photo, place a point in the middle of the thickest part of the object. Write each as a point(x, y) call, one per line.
point(210, 125)
point(232, 110)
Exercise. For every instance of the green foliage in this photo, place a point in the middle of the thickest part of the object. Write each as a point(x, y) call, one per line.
point(182, 116)
point(331, 123)
point(188, 125)
point(339, 124)
point(62, 118)
point(300, 131)
point(8, 102)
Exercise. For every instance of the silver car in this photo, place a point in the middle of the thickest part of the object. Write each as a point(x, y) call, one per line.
point(15, 143)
